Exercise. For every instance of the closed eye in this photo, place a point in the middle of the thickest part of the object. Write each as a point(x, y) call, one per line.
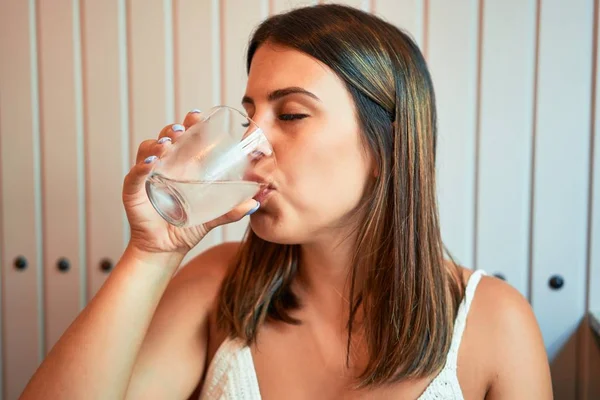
point(284, 117)
point(292, 117)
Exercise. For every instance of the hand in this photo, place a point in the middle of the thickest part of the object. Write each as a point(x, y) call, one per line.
point(149, 231)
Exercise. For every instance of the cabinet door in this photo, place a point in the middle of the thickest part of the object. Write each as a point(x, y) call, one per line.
point(506, 96)
point(452, 53)
point(62, 152)
point(561, 180)
point(21, 316)
point(105, 104)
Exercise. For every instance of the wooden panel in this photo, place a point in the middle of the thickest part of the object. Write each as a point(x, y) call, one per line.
point(105, 156)
point(20, 197)
point(280, 6)
point(62, 145)
point(505, 147)
point(197, 82)
point(561, 163)
point(408, 15)
point(148, 108)
point(452, 52)
point(237, 28)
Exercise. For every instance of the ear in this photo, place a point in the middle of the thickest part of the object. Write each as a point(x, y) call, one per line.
point(375, 171)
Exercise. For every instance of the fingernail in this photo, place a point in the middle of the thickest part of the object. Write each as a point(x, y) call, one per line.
point(178, 128)
point(254, 209)
point(164, 139)
point(195, 111)
point(150, 159)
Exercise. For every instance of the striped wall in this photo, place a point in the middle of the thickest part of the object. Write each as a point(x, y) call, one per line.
point(82, 82)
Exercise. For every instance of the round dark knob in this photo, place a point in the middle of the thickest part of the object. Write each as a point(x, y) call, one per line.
point(63, 265)
point(500, 276)
point(556, 282)
point(106, 265)
point(20, 263)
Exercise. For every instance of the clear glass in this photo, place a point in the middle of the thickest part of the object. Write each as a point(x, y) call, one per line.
point(217, 164)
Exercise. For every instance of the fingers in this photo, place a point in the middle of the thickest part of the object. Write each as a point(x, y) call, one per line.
point(169, 133)
point(248, 207)
point(192, 118)
point(136, 178)
point(149, 151)
point(153, 148)
point(172, 132)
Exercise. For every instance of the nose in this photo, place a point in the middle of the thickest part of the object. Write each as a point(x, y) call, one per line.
point(255, 143)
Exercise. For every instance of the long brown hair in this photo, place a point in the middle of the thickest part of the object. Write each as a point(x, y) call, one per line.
point(398, 271)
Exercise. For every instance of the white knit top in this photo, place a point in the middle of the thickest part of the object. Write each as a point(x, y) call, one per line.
point(231, 374)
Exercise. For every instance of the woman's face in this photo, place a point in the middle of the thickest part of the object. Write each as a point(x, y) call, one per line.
point(322, 166)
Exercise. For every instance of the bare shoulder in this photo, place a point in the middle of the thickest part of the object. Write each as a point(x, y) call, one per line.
point(192, 290)
point(209, 266)
point(195, 286)
point(503, 338)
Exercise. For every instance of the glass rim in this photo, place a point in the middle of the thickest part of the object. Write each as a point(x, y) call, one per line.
point(211, 111)
point(257, 129)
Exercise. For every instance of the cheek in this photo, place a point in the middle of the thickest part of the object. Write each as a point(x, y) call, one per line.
point(326, 176)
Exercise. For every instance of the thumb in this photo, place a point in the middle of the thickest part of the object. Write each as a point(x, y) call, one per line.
point(136, 178)
point(192, 118)
point(248, 207)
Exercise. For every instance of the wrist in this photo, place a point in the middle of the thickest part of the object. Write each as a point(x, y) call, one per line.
point(165, 261)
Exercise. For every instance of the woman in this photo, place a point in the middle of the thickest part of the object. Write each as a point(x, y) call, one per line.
point(340, 288)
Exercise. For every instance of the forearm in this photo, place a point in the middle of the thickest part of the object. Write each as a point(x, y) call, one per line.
point(96, 355)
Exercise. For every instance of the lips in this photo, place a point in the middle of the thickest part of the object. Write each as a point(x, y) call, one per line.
point(262, 195)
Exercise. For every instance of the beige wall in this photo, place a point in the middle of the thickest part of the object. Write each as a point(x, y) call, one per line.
point(82, 82)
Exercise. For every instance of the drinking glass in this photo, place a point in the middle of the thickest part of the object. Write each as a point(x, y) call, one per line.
point(217, 164)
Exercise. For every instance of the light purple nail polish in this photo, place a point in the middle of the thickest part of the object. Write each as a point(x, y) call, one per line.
point(150, 159)
point(254, 209)
point(164, 139)
point(195, 111)
point(178, 128)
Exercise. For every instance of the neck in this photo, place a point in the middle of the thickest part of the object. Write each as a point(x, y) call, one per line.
point(324, 277)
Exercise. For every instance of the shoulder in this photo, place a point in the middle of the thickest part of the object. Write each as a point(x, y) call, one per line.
point(204, 273)
point(211, 263)
point(192, 291)
point(503, 334)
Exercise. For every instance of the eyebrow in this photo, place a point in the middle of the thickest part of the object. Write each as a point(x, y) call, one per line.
point(279, 93)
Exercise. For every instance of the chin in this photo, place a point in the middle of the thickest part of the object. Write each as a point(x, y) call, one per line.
point(271, 229)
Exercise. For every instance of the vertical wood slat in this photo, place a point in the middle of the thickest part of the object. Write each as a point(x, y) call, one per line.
point(594, 240)
point(237, 28)
point(197, 72)
point(506, 124)
point(20, 202)
point(104, 136)
point(588, 348)
point(408, 15)
point(561, 165)
point(61, 144)
point(147, 48)
point(124, 102)
point(452, 33)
